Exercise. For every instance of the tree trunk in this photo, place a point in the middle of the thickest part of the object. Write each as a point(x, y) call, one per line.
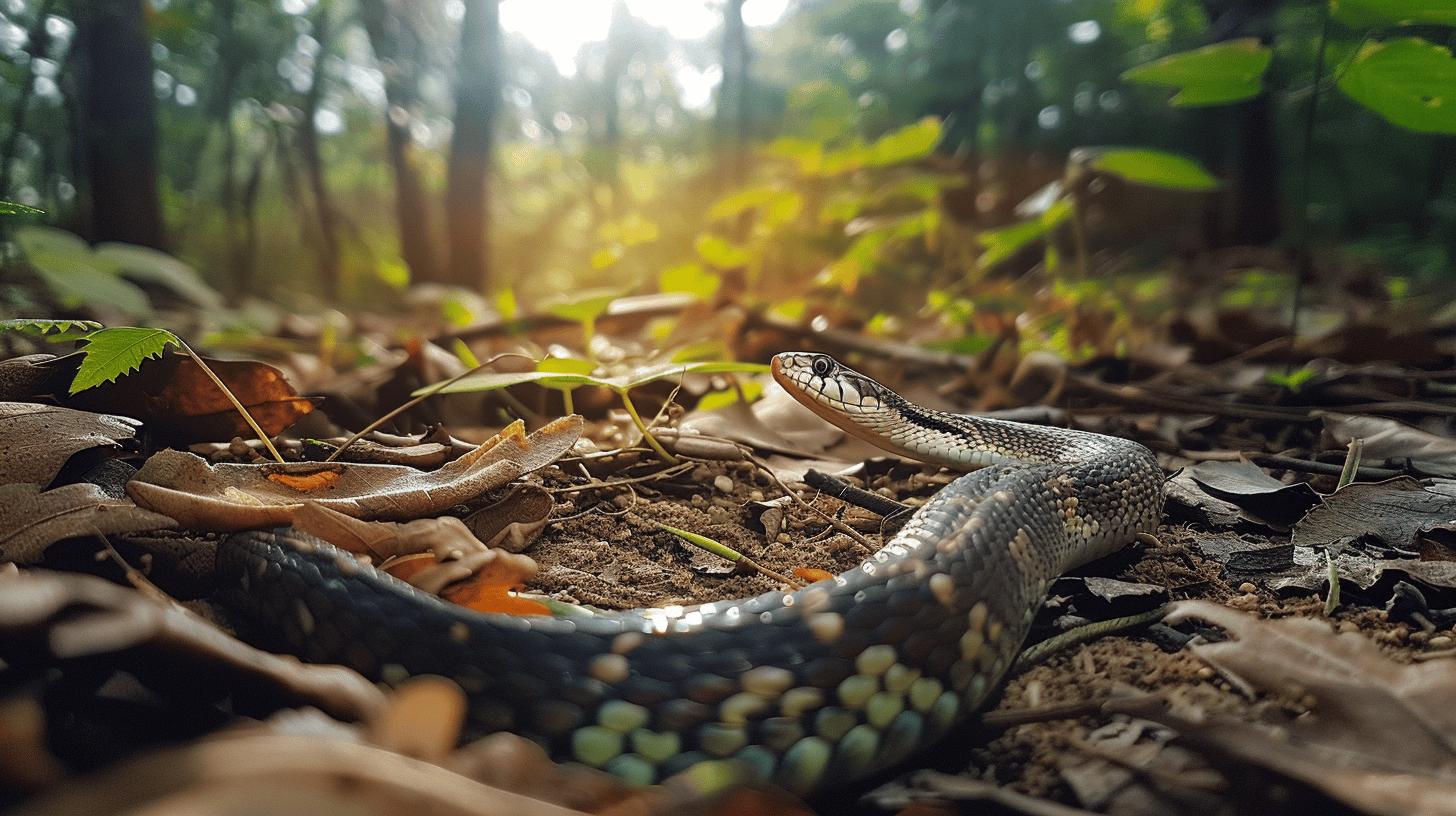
point(119, 122)
point(37, 44)
point(396, 46)
point(308, 146)
point(477, 90)
point(732, 114)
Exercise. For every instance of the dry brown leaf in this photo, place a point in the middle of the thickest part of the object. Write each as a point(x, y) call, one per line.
point(240, 497)
point(32, 520)
point(422, 719)
point(1381, 736)
point(281, 773)
point(36, 440)
point(515, 521)
point(85, 618)
point(179, 402)
point(1386, 440)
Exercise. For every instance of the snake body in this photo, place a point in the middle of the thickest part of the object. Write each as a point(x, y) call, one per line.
point(804, 689)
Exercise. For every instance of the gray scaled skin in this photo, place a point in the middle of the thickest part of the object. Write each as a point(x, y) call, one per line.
point(804, 689)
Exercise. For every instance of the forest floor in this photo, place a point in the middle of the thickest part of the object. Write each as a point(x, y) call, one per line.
point(1246, 684)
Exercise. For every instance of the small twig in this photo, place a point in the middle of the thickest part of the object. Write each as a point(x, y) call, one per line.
point(846, 492)
point(651, 477)
point(1002, 719)
point(227, 392)
point(433, 390)
point(1332, 574)
point(727, 553)
point(833, 522)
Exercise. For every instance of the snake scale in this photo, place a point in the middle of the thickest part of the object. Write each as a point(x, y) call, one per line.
point(804, 689)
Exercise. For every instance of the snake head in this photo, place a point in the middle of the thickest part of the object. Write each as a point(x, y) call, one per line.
point(830, 388)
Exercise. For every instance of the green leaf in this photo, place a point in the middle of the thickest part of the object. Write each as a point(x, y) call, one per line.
point(41, 325)
point(584, 306)
point(1213, 75)
point(775, 206)
point(664, 371)
point(12, 208)
point(1149, 168)
point(491, 381)
point(906, 144)
point(506, 305)
point(998, 245)
point(1379, 13)
point(112, 353)
point(713, 400)
point(691, 278)
point(566, 365)
point(720, 253)
point(1294, 380)
point(147, 265)
point(73, 273)
point(1410, 82)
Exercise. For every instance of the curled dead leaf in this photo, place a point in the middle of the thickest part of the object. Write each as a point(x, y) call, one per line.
point(36, 441)
point(241, 497)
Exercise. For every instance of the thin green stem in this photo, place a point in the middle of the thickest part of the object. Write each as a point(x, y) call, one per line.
point(727, 553)
point(642, 426)
point(247, 417)
point(567, 406)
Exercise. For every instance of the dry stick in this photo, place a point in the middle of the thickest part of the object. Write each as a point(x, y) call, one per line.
point(1002, 719)
point(435, 389)
point(227, 392)
point(651, 477)
point(833, 522)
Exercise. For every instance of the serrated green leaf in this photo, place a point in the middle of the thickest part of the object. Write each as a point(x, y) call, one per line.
point(1410, 82)
point(13, 208)
point(1150, 168)
point(1377, 13)
point(112, 353)
point(1213, 75)
point(41, 325)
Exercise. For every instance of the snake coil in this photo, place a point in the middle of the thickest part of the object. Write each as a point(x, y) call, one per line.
point(825, 684)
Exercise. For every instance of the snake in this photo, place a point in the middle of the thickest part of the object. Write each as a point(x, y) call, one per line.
point(803, 689)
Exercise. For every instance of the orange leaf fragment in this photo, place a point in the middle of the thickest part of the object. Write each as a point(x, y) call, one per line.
point(488, 590)
point(306, 482)
point(812, 574)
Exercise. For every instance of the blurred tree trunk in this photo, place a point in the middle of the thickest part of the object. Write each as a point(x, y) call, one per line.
point(118, 122)
point(477, 91)
point(308, 145)
point(38, 42)
point(732, 113)
point(397, 48)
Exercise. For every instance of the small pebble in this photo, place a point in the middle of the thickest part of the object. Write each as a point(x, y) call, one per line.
point(1205, 673)
point(697, 500)
point(1440, 642)
point(1247, 587)
point(755, 495)
point(783, 538)
point(723, 483)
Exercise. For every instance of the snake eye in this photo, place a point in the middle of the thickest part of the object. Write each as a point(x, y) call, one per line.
point(822, 366)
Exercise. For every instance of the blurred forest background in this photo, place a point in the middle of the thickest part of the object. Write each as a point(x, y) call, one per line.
point(936, 170)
